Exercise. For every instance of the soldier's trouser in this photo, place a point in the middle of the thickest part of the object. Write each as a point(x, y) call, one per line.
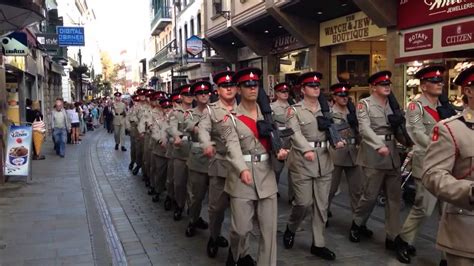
point(139, 150)
point(119, 134)
point(218, 203)
point(146, 155)
point(291, 192)
point(198, 184)
point(153, 169)
point(423, 207)
point(373, 181)
point(353, 177)
point(161, 164)
point(133, 143)
point(180, 173)
point(277, 168)
point(458, 260)
point(242, 217)
point(151, 144)
point(312, 193)
point(170, 178)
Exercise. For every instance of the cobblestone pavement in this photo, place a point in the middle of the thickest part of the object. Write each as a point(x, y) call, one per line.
point(89, 209)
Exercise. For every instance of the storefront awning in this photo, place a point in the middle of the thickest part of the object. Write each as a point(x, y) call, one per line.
point(446, 55)
point(17, 14)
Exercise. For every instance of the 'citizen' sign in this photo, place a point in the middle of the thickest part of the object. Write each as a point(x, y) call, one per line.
point(456, 34)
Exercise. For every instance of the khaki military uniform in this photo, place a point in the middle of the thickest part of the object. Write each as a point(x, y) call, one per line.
point(168, 143)
point(119, 110)
point(379, 172)
point(132, 117)
point(142, 114)
point(198, 164)
point(143, 128)
point(449, 175)
point(345, 161)
point(180, 154)
point(420, 123)
point(257, 200)
point(159, 160)
point(279, 117)
point(311, 180)
point(155, 136)
point(211, 131)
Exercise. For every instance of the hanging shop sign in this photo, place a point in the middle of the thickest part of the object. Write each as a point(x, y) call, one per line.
point(418, 40)
point(70, 36)
point(194, 45)
point(15, 44)
point(285, 43)
point(356, 26)
point(413, 13)
point(17, 159)
point(456, 34)
point(448, 36)
point(48, 40)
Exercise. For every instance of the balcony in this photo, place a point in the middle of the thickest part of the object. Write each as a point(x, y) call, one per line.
point(166, 57)
point(161, 19)
point(17, 14)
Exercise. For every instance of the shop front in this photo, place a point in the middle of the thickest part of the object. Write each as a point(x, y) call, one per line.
point(358, 48)
point(438, 35)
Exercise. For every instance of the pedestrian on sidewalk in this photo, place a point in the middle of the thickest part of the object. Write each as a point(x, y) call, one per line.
point(73, 114)
point(60, 125)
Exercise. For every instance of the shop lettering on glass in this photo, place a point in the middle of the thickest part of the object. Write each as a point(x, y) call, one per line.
point(418, 40)
point(285, 43)
point(457, 34)
point(429, 11)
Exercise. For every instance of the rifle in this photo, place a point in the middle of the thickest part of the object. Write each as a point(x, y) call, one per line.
point(352, 117)
point(267, 127)
point(446, 110)
point(397, 119)
point(326, 122)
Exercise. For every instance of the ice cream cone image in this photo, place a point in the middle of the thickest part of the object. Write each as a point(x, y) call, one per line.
point(38, 139)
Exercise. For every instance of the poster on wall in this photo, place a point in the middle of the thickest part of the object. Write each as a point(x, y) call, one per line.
point(17, 159)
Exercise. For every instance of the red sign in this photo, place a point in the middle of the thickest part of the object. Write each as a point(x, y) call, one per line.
point(418, 40)
point(456, 34)
point(412, 13)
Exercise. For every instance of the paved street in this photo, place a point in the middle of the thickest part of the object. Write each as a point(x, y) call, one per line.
point(88, 209)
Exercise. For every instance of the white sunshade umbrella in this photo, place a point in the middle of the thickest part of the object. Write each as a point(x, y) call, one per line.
point(17, 14)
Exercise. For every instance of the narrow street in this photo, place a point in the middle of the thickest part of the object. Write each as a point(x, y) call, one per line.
point(88, 209)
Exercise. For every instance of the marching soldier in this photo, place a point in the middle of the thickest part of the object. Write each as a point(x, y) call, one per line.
point(422, 115)
point(145, 121)
point(210, 136)
point(345, 158)
point(119, 110)
point(251, 183)
point(379, 161)
point(132, 121)
point(181, 149)
point(198, 163)
point(156, 114)
point(279, 108)
point(138, 138)
point(310, 166)
point(160, 161)
point(449, 174)
point(170, 198)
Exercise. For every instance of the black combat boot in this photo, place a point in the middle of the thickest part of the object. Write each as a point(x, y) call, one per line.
point(190, 230)
point(401, 250)
point(123, 148)
point(178, 214)
point(116, 147)
point(151, 191)
point(130, 166)
point(156, 198)
point(201, 224)
point(212, 248)
point(222, 242)
point(230, 259)
point(354, 234)
point(135, 170)
point(168, 203)
point(365, 231)
point(288, 238)
point(323, 252)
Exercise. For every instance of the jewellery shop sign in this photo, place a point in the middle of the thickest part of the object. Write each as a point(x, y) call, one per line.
point(349, 28)
point(17, 159)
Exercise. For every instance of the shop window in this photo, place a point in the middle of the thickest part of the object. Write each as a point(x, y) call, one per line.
point(293, 63)
point(217, 7)
point(357, 66)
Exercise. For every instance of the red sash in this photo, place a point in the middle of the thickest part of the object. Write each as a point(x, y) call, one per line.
point(433, 113)
point(252, 125)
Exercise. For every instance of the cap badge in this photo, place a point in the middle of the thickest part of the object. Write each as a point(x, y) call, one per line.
point(251, 75)
point(438, 73)
point(227, 78)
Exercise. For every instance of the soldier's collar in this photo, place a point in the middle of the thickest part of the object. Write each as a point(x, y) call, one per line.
point(425, 102)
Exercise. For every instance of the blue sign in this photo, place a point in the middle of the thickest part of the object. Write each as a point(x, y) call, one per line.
point(70, 36)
